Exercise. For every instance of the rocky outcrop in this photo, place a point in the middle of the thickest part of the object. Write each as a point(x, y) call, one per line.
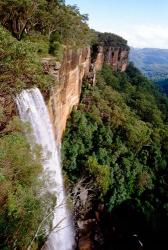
point(69, 75)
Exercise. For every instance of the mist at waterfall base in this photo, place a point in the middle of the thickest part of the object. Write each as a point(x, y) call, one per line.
point(32, 109)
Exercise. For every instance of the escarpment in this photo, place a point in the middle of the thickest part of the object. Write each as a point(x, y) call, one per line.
point(69, 74)
point(75, 65)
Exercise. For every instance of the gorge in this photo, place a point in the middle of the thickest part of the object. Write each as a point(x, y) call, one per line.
point(68, 76)
point(32, 109)
point(83, 136)
point(74, 67)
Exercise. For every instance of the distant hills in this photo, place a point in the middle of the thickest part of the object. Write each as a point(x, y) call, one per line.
point(153, 63)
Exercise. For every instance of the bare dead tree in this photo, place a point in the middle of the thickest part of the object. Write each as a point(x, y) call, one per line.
point(42, 225)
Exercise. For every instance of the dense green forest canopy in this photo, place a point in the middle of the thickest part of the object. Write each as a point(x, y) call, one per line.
point(163, 84)
point(23, 17)
point(20, 64)
point(109, 39)
point(118, 138)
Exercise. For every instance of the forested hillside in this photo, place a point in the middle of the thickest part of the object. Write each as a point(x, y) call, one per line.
point(163, 84)
point(117, 141)
point(152, 62)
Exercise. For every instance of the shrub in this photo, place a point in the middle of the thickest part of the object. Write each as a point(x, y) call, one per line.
point(100, 173)
point(23, 202)
point(55, 46)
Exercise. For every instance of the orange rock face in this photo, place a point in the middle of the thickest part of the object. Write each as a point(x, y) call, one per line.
point(116, 57)
point(99, 59)
point(74, 67)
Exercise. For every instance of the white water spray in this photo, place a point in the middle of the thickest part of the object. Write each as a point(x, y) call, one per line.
point(32, 109)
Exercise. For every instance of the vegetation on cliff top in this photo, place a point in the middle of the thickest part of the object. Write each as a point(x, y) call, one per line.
point(40, 29)
point(111, 40)
point(20, 64)
point(23, 17)
point(117, 139)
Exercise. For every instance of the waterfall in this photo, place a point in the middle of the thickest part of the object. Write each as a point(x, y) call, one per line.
point(32, 109)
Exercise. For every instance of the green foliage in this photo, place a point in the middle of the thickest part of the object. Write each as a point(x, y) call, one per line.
point(21, 207)
point(120, 127)
point(45, 17)
point(20, 65)
point(55, 47)
point(15, 15)
point(163, 84)
point(100, 173)
point(109, 39)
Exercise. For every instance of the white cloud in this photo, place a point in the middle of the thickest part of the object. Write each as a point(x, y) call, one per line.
point(143, 36)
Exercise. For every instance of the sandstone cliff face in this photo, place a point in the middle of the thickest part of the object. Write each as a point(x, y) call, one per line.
point(75, 65)
point(116, 57)
point(70, 73)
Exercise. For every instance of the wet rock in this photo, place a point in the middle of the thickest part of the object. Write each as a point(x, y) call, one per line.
point(85, 243)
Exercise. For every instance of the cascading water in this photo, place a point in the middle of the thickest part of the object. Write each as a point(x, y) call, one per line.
point(32, 109)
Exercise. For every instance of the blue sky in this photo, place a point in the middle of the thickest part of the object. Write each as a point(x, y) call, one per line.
point(144, 23)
